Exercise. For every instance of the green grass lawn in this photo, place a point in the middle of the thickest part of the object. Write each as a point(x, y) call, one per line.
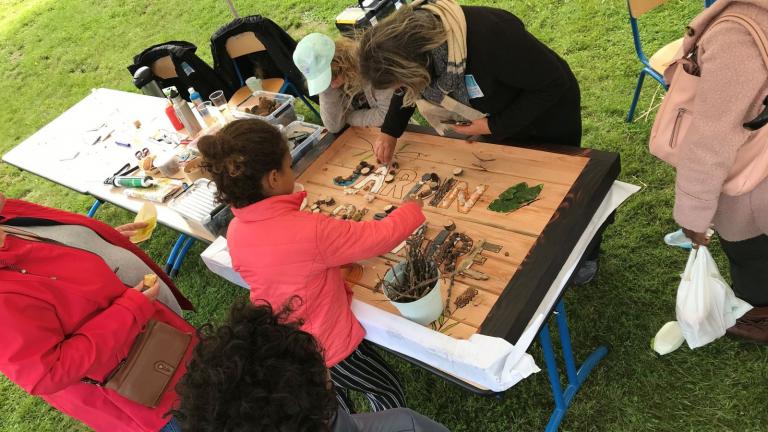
point(54, 52)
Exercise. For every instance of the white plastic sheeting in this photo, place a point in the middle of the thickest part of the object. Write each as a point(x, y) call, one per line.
point(486, 362)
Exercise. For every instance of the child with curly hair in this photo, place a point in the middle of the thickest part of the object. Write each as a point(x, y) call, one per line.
point(282, 252)
point(284, 388)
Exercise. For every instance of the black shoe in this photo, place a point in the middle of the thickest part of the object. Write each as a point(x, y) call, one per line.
point(585, 273)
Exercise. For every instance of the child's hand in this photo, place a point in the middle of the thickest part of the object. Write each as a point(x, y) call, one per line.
point(414, 199)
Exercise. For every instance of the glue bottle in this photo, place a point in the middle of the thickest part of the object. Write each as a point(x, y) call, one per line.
point(133, 182)
point(171, 113)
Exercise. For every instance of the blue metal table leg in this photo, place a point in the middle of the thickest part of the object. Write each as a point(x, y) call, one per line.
point(181, 256)
point(576, 378)
point(94, 207)
point(174, 252)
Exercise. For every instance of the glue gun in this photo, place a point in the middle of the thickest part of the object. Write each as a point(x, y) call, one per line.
point(759, 121)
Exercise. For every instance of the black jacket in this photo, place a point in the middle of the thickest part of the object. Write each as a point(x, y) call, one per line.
point(528, 91)
point(277, 62)
point(202, 77)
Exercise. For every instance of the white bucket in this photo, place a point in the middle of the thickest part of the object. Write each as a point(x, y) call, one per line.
point(424, 310)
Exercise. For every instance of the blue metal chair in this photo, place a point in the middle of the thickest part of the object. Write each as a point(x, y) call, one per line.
point(247, 43)
point(659, 61)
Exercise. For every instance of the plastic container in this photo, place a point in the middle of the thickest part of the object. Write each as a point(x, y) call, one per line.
point(283, 114)
point(197, 202)
point(148, 214)
point(424, 310)
point(301, 148)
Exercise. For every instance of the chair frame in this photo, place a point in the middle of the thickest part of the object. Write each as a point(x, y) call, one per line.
point(288, 87)
point(647, 69)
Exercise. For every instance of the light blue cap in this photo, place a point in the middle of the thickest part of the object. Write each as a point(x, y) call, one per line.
point(313, 56)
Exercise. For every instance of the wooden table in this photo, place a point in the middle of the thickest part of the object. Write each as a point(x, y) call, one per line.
point(521, 272)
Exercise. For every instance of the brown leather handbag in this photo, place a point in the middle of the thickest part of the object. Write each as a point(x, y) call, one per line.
point(151, 363)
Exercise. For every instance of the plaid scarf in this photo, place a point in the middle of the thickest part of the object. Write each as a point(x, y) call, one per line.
point(450, 59)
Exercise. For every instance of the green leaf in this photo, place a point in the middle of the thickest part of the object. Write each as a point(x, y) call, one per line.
point(515, 197)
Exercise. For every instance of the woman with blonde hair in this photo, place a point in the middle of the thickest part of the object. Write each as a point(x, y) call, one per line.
point(476, 68)
point(332, 70)
point(476, 71)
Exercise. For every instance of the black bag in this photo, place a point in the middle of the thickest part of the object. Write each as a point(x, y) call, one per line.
point(191, 70)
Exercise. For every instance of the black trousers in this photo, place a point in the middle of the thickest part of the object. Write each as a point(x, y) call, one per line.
point(365, 371)
point(749, 268)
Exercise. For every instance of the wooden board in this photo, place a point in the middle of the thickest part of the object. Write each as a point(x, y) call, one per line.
point(497, 166)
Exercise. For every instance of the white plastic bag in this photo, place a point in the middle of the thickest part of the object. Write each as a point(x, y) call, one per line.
point(706, 305)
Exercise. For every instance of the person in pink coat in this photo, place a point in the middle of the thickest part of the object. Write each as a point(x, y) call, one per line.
point(72, 303)
point(283, 252)
point(732, 90)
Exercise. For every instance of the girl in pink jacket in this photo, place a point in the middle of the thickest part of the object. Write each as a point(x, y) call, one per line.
point(283, 252)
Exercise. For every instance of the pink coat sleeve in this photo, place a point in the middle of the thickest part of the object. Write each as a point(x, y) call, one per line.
point(39, 357)
point(342, 241)
point(731, 78)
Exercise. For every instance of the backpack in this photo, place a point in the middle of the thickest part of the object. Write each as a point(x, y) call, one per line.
point(191, 70)
point(676, 115)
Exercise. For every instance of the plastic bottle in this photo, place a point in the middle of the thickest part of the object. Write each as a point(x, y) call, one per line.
point(194, 96)
point(254, 84)
point(171, 113)
point(185, 114)
point(187, 68)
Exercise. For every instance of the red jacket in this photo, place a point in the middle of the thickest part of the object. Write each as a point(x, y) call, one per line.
point(66, 315)
point(283, 252)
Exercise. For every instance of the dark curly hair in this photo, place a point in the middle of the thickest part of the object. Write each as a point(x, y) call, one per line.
point(256, 372)
point(239, 156)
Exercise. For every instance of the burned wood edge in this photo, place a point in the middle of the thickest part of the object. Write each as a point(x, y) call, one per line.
point(530, 284)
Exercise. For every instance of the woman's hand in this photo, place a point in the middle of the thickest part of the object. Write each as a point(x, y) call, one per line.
point(150, 293)
point(478, 127)
point(698, 239)
point(129, 230)
point(384, 148)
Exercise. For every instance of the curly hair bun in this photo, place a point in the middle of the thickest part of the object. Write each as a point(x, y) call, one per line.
point(239, 156)
point(257, 372)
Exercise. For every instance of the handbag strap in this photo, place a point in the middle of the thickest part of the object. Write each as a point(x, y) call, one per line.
point(27, 235)
point(754, 29)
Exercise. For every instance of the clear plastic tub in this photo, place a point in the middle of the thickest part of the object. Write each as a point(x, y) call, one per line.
point(301, 148)
point(283, 114)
